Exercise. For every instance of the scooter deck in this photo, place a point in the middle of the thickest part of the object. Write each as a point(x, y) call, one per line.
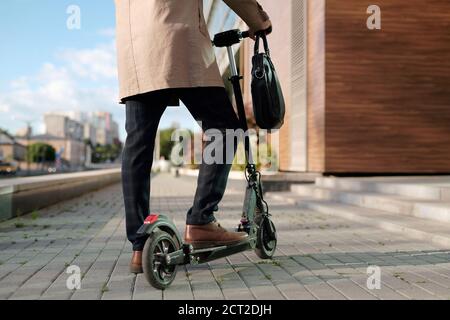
point(196, 256)
point(206, 255)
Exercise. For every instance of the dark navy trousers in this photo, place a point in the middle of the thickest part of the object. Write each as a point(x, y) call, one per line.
point(209, 105)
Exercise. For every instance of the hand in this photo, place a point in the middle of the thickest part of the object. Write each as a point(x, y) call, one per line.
point(267, 31)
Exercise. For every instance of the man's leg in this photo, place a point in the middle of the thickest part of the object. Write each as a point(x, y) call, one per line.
point(143, 114)
point(213, 108)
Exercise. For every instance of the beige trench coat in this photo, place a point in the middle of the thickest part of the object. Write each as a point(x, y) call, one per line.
point(165, 43)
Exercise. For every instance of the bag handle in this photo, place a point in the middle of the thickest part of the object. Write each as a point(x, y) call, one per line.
point(266, 44)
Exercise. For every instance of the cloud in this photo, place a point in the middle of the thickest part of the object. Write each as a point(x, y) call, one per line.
point(78, 80)
point(4, 108)
point(107, 32)
point(95, 63)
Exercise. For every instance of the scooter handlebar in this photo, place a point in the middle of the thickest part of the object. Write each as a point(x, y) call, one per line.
point(245, 34)
point(229, 38)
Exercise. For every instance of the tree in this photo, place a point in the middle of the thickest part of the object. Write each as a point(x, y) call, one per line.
point(88, 143)
point(41, 152)
point(166, 142)
point(105, 153)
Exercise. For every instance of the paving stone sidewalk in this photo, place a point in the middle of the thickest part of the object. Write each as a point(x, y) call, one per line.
point(319, 256)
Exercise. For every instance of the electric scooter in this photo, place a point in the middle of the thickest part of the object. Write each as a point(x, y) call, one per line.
point(164, 249)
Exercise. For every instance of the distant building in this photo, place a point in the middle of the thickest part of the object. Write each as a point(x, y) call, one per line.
point(69, 131)
point(63, 127)
point(107, 128)
point(10, 148)
point(70, 150)
point(65, 135)
point(90, 133)
point(115, 132)
point(97, 127)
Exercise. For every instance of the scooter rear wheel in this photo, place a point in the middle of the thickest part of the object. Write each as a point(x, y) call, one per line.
point(266, 239)
point(158, 275)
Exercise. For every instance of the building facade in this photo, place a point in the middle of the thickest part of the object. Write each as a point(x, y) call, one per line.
point(68, 132)
point(107, 129)
point(97, 127)
point(71, 151)
point(361, 100)
point(11, 149)
point(62, 126)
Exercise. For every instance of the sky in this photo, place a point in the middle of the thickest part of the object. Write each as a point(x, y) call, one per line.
point(46, 66)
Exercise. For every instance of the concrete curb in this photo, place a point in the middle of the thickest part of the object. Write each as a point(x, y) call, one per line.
point(333, 209)
point(426, 209)
point(272, 181)
point(24, 195)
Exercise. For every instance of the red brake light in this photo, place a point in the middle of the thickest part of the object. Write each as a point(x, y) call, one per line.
point(151, 219)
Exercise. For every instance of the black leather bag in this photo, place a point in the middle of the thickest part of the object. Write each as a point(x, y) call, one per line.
point(268, 101)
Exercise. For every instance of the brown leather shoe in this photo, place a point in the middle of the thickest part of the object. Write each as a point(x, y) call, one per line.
point(211, 235)
point(136, 263)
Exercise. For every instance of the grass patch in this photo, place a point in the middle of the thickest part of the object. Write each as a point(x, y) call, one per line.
point(19, 225)
point(276, 263)
point(35, 215)
point(400, 277)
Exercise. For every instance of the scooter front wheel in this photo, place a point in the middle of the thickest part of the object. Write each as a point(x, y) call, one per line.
point(157, 274)
point(266, 239)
